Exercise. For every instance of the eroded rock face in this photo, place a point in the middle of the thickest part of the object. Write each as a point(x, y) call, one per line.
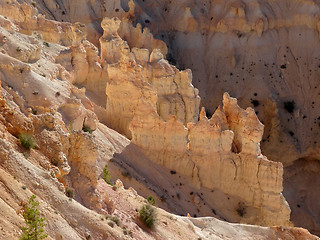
point(230, 46)
point(137, 74)
point(221, 153)
point(264, 53)
point(301, 188)
point(39, 78)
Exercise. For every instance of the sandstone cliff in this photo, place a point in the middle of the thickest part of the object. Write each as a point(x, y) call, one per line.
point(56, 86)
point(221, 153)
point(264, 53)
point(139, 74)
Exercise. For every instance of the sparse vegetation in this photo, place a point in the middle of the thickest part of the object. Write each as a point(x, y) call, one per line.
point(151, 200)
point(116, 220)
point(241, 209)
point(86, 128)
point(69, 192)
point(126, 174)
point(35, 224)
point(46, 44)
point(53, 175)
point(87, 236)
point(70, 127)
point(55, 161)
point(148, 215)
point(127, 232)
point(106, 174)
point(163, 198)
point(283, 66)
point(27, 140)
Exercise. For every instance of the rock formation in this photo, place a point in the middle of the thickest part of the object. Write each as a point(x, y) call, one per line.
point(57, 85)
point(221, 153)
point(139, 74)
point(264, 53)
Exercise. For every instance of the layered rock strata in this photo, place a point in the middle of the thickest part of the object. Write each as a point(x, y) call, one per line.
point(264, 53)
point(221, 153)
point(136, 81)
point(136, 74)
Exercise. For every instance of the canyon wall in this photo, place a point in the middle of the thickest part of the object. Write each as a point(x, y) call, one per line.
point(140, 94)
point(139, 74)
point(230, 45)
point(220, 153)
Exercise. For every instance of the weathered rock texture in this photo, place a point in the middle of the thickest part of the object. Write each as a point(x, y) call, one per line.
point(221, 153)
point(55, 84)
point(230, 46)
point(261, 52)
point(137, 74)
point(264, 53)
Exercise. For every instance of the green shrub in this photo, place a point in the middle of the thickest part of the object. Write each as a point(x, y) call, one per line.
point(35, 224)
point(106, 174)
point(69, 192)
point(46, 44)
point(151, 200)
point(70, 127)
point(148, 215)
point(86, 128)
point(116, 220)
point(27, 140)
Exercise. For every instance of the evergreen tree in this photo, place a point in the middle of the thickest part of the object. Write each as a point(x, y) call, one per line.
point(35, 223)
point(106, 174)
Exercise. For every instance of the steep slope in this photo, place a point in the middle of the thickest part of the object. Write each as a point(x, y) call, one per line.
point(55, 85)
point(264, 53)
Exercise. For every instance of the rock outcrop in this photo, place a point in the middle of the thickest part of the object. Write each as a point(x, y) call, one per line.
point(273, 53)
point(264, 53)
point(137, 74)
point(55, 86)
point(221, 153)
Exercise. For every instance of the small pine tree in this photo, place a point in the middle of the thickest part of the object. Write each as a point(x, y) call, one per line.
point(106, 174)
point(151, 200)
point(148, 215)
point(35, 224)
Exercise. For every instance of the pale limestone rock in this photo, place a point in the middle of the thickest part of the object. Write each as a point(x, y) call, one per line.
point(163, 142)
point(69, 217)
point(53, 141)
point(14, 121)
point(140, 37)
point(24, 16)
point(77, 116)
point(213, 149)
point(134, 76)
point(246, 126)
point(82, 158)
